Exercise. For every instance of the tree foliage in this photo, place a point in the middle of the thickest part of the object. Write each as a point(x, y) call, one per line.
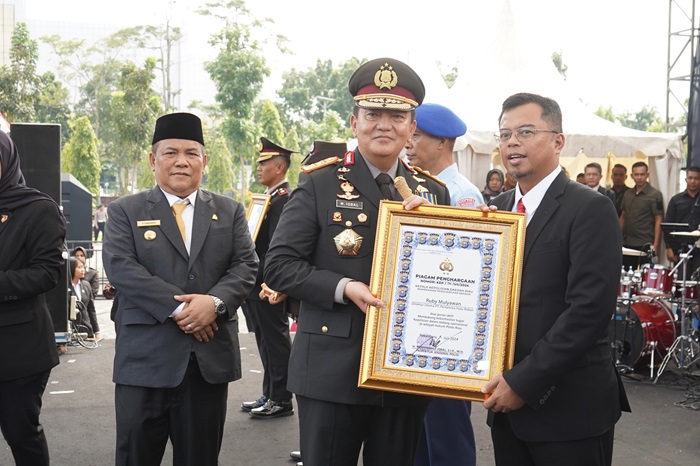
point(558, 60)
point(19, 83)
point(219, 165)
point(80, 157)
point(134, 108)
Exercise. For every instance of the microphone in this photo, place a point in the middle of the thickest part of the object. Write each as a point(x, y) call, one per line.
point(402, 187)
point(652, 255)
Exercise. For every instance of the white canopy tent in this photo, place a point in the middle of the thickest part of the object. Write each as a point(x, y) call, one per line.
point(510, 65)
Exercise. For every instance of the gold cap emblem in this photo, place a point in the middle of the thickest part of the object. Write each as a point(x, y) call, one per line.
point(385, 77)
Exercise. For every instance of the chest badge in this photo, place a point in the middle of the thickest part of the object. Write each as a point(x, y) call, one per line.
point(149, 235)
point(348, 242)
point(347, 188)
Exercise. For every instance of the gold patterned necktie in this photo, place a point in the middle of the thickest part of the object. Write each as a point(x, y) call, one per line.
point(177, 210)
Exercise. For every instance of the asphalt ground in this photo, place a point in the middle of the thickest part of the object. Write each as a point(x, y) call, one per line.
point(78, 415)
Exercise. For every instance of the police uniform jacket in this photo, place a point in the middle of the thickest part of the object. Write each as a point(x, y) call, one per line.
point(303, 262)
point(278, 199)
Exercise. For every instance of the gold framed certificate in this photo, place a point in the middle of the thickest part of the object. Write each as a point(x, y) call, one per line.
point(255, 215)
point(449, 279)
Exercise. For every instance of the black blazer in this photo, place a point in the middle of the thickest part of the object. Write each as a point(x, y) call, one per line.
point(571, 270)
point(304, 263)
point(31, 241)
point(87, 299)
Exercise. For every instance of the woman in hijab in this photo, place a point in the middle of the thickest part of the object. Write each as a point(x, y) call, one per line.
point(494, 185)
point(32, 234)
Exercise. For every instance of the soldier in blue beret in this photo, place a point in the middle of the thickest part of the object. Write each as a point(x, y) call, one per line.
point(430, 148)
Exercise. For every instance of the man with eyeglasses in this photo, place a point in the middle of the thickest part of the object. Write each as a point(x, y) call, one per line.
point(560, 401)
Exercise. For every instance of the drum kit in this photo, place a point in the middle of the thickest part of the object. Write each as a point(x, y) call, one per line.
point(656, 317)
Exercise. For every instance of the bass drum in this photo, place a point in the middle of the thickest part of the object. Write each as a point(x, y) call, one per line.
point(636, 329)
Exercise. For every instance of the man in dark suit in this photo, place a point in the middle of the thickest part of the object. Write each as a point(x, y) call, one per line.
point(270, 320)
point(561, 400)
point(593, 173)
point(321, 254)
point(183, 262)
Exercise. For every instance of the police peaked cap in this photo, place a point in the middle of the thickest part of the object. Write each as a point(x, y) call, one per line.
point(178, 126)
point(386, 83)
point(269, 149)
point(439, 121)
point(323, 149)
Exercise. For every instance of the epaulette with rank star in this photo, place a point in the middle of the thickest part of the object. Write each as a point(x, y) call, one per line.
point(282, 192)
point(427, 173)
point(320, 164)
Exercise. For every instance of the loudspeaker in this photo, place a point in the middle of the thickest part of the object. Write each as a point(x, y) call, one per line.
point(39, 147)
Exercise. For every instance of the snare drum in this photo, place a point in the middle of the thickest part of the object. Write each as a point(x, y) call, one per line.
point(690, 291)
point(657, 280)
point(636, 330)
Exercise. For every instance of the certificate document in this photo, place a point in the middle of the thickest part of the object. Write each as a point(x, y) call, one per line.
point(440, 310)
point(449, 279)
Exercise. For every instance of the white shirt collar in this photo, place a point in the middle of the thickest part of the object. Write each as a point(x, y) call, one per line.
point(172, 199)
point(534, 197)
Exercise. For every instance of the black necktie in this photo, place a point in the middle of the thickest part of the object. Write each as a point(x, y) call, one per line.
point(384, 181)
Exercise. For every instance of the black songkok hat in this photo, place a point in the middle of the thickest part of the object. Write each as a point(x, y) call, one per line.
point(323, 149)
point(386, 83)
point(269, 149)
point(178, 126)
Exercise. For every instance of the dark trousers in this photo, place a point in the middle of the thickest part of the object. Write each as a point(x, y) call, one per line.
point(448, 436)
point(20, 406)
point(332, 434)
point(192, 415)
point(511, 451)
point(274, 345)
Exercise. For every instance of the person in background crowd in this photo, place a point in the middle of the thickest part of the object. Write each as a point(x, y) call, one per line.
point(495, 184)
point(270, 319)
point(430, 148)
point(642, 214)
point(683, 208)
point(90, 273)
point(90, 277)
point(593, 173)
point(100, 221)
point(619, 188)
point(85, 303)
point(182, 261)
point(448, 436)
point(559, 403)
point(32, 235)
point(321, 253)
point(581, 178)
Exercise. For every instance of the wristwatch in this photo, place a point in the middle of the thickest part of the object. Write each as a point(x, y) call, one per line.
point(219, 306)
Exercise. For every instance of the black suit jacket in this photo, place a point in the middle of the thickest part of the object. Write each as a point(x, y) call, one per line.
point(563, 366)
point(304, 263)
point(151, 350)
point(31, 241)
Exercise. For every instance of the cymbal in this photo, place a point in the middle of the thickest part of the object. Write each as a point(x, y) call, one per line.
point(632, 252)
point(695, 233)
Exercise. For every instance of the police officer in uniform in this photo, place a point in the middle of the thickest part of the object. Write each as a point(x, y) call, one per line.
point(270, 320)
point(324, 258)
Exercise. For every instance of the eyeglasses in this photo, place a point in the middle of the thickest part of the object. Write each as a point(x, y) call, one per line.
point(521, 134)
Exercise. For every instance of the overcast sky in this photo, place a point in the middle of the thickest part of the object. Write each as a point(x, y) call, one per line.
point(615, 50)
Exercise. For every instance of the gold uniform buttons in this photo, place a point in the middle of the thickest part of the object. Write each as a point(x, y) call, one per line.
point(324, 329)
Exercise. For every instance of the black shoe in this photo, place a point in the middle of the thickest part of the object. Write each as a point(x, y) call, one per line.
point(273, 409)
point(295, 455)
point(248, 405)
